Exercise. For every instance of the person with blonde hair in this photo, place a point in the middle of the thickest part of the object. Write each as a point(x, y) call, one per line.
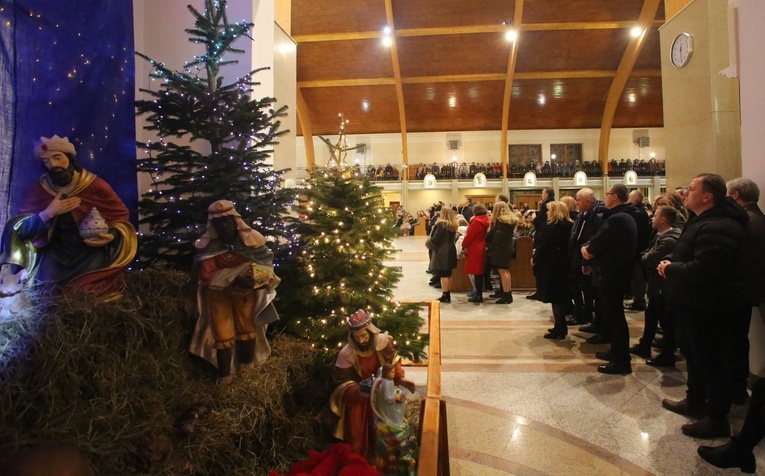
point(501, 244)
point(444, 257)
point(573, 209)
point(551, 259)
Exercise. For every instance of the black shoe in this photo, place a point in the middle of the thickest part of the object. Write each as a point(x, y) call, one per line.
point(477, 298)
point(599, 339)
point(604, 355)
point(634, 307)
point(707, 428)
point(615, 368)
point(641, 350)
point(496, 295)
point(445, 297)
point(534, 296)
point(656, 343)
point(684, 407)
point(507, 298)
point(555, 335)
point(729, 455)
point(591, 328)
point(437, 285)
point(661, 361)
point(573, 321)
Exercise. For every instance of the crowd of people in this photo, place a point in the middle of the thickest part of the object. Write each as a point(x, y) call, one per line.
point(693, 260)
point(493, 170)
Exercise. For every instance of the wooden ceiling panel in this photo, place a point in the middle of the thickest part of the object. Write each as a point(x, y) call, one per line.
point(460, 106)
point(453, 54)
point(554, 11)
point(567, 50)
point(343, 60)
point(640, 103)
point(313, 17)
point(558, 103)
point(650, 53)
point(370, 109)
point(450, 13)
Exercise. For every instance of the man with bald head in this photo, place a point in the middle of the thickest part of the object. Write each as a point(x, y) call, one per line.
point(585, 227)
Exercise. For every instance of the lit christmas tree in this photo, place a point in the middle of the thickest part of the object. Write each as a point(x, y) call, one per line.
point(345, 233)
point(195, 104)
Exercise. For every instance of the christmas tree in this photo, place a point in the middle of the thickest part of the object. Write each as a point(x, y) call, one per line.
point(345, 233)
point(195, 104)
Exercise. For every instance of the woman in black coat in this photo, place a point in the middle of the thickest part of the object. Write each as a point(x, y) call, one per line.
point(552, 262)
point(443, 258)
point(500, 242)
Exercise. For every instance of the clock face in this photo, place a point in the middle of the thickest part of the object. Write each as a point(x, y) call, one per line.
point(682, 47)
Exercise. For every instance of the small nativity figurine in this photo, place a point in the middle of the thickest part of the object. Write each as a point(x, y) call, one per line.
point(236, 287)
point(367, 350)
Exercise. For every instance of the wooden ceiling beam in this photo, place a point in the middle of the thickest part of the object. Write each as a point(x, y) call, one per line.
point(464, 78)
point(647, 15)
point(304, 116)
point(399, 86)
point(509, 78)
point(469, 30)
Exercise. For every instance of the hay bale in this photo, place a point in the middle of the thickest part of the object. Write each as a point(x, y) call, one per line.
point(103, 376)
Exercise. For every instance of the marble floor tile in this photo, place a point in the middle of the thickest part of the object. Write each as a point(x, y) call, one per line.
point(520, 404)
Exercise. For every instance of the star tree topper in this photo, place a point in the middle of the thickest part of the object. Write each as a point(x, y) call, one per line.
point(339, 151)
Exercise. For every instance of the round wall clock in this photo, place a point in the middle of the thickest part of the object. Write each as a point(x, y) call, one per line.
point(681, 50)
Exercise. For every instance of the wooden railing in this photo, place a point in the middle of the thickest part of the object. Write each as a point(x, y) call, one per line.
point(432, 433)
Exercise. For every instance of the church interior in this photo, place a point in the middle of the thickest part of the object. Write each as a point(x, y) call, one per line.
point(526, 95)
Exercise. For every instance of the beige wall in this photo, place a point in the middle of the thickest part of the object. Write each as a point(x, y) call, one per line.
point(484, 146)
point(701, 107)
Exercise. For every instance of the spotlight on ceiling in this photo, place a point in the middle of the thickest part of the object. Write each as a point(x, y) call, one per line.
point(636, 31)
point(510, 32)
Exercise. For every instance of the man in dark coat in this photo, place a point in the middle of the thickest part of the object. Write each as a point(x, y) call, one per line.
point(611, 252)
point(746, 193)
point(585, 227)
point(643, 223)
point(702, 283)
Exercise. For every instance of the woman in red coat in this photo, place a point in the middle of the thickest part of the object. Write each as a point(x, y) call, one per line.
point(474, 245)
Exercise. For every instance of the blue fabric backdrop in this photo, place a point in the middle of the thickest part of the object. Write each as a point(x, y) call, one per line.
point(67, 68)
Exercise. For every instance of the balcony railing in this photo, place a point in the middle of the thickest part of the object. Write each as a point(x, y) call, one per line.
point(493, 171)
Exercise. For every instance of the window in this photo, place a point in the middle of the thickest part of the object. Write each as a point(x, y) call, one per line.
point(523, 154)
point(566, 153)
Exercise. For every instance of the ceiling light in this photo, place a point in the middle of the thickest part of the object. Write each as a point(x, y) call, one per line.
point(541, 100)
point(632, 97)
point(365, 105)
point(553, 156)
point(452, 101)
point(653, 155)
point(511, 35)
point(387, 41)
point(636, 31)
point(386, 30)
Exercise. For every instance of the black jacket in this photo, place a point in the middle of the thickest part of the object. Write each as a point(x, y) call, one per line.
point(500, 242)
point(643, 227)
point(444, 256)
point(540, 220)
point(585, 227)
point(661, 248)
point(551, 262)
point(613, 247)
point(704, 274)
point(753, 257)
